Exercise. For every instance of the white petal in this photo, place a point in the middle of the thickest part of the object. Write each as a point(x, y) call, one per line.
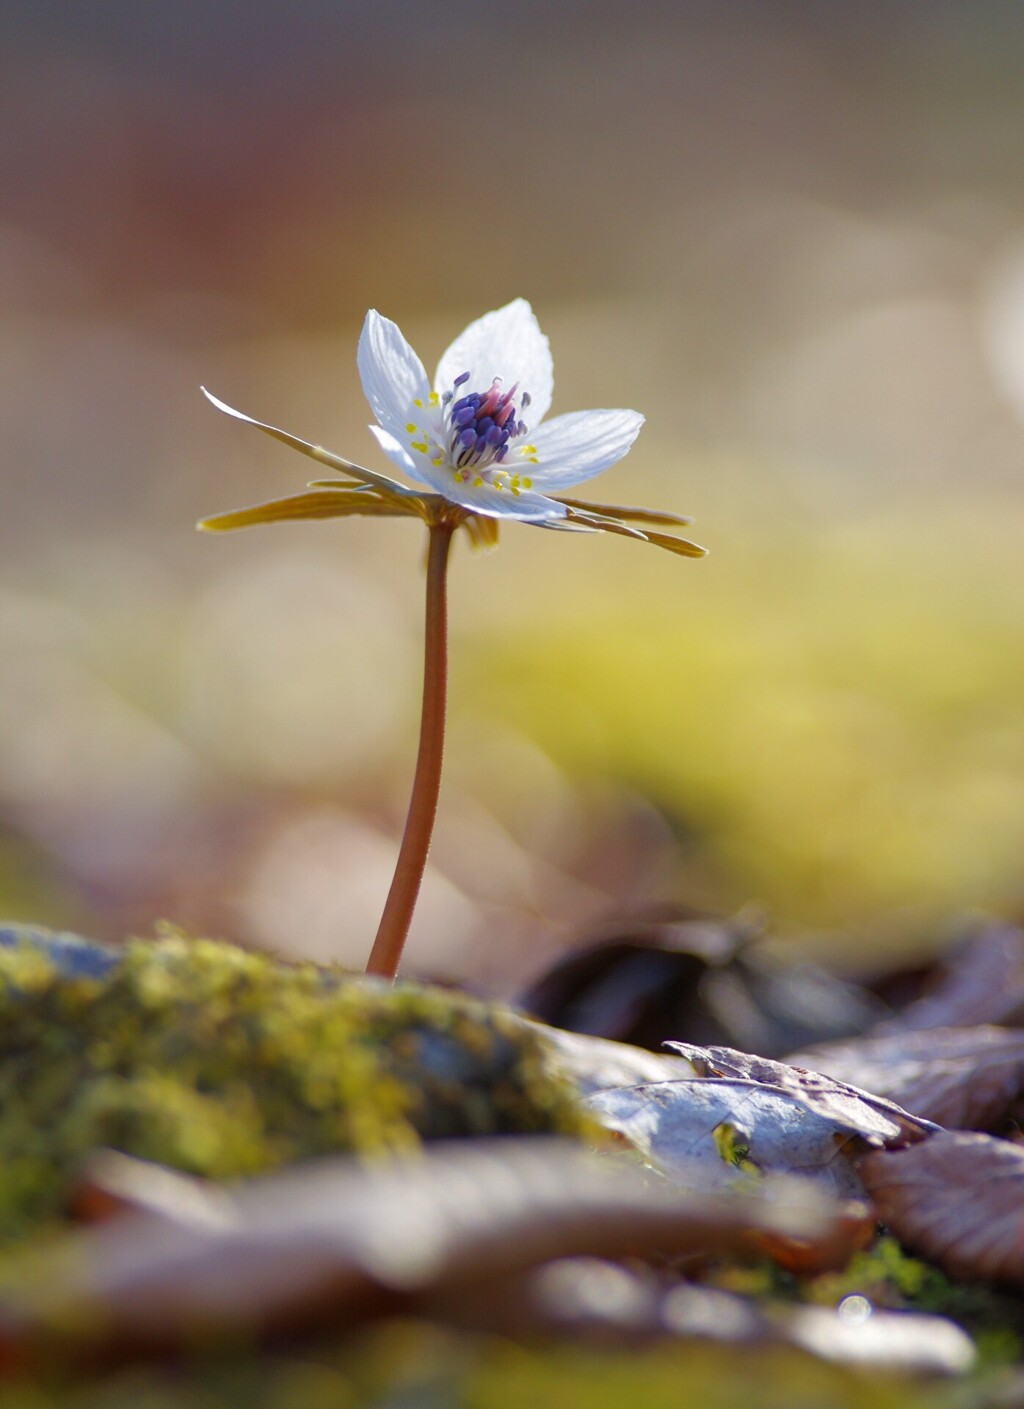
point(397, 453)
point(392, 375)
point(527, 505)
point(580, 445)
point(507, 343)
point(487, 498)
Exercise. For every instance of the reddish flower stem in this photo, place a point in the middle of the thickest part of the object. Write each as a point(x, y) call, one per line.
point(419, 823)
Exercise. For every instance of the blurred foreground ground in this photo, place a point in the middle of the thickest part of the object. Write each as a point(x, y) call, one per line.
point(792, 236)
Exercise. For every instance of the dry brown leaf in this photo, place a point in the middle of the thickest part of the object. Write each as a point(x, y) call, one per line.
point(594, 1063)
point(338, 1239)
point(957, 1200)
point(852, 1231)
point(871, 1116)
point(597, 1298)
point(647, 980)
point(717, 1134)
point(111, 1183)
point(898, 1342)
point(983, 982)
point(963, 1078)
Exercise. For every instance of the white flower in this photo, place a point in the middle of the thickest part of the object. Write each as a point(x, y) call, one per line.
point(478, 436)
point(477, 440)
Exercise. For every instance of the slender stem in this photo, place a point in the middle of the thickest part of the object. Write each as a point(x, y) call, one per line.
point(419, 824)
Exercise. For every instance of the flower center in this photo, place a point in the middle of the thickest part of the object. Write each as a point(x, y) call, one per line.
point(472, 434)
point(479, 427)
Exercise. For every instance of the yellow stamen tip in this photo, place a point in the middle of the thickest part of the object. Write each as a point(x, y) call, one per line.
point(527, 483)
point(411, 426)
point(417, 401)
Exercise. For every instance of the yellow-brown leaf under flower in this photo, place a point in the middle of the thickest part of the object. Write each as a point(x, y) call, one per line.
point(318, 504)
point(589, 515)
point(620, 511)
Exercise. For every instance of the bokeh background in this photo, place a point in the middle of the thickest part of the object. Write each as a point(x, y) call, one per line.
point(791, 234)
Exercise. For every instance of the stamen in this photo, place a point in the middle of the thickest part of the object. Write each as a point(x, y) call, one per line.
point(477, 429)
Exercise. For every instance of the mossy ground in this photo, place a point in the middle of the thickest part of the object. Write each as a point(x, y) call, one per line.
point(225, 1063)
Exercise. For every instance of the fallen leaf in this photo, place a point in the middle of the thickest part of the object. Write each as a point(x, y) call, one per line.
point(592, 1064)
point(339, 1239)
point(706, 1134)
point(899, 1342)
point(584, 1295)
point(707, 977)
point(982, 982)
point(873, 1117)
point(957, 1200)
point(111, 1183)
point(963, 1078)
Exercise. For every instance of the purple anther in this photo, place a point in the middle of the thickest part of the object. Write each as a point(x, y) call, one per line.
point(494, 435)
point(481, 444)
point(461, 380)
point(462, 401)
point(483, 424)
point(521, 428)
point(464, 416)
point(468, 438)
point(501, 454)
point(525, 400)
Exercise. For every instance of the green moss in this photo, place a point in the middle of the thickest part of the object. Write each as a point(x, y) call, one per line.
point(224, 1063)
point(893, 1280)
point(890, 1277)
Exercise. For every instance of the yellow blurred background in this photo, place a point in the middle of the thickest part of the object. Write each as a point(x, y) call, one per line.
point(791, 234)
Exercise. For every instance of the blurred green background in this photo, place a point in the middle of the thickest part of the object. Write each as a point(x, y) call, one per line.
point(791, 234)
